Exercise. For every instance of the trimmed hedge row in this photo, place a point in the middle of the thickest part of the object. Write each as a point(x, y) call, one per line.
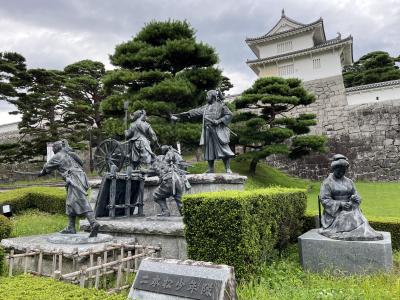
point(47, 199)
point(381, 224)
point(5, 231)
point(5, 227)
point(242, 229)
point(30, 287)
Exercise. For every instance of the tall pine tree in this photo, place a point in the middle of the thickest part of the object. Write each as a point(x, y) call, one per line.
point(83, 92)
point(162, 70)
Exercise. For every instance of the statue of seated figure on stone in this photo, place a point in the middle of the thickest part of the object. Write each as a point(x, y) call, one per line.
point(342, 218)
point(69, 165)
point(170, 167)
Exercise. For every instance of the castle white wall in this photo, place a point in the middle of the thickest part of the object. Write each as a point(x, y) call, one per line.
point(299, 42)
point(303, 66)
point(373, 95)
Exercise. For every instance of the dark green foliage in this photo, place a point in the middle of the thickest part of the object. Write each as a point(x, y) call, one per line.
point(46, 199)
point(376, 66)
point(380, 224)
point(266, 130)
point(33, 287)
point(5, 227)
point(162, 70)
point(2, 261)
point(84, 92)
point(242, 229)
point(5, 232)
point(12, 74)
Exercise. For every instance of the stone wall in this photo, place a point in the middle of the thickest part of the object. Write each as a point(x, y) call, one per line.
point(368, 134)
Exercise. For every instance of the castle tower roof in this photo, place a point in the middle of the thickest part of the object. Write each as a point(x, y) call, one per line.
point(286, 27)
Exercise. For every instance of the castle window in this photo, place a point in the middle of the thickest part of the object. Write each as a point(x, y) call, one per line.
point(284, 46)
point(316, 63)
point(286, 70)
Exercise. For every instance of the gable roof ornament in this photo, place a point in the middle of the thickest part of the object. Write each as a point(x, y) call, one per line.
point(285, 25)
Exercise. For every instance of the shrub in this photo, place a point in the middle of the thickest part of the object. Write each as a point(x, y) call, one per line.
point(2, 260)
point(47, 199)
point(381, 224)
point(5, 227)
point(5, 231)
point(29, 287)
point(242, 228)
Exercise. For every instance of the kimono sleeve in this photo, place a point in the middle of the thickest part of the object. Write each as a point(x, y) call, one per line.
point(53, 164)
point(196, 112)
point(330, 205)
point(226, 115)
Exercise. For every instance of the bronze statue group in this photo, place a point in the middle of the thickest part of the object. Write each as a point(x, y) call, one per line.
point(342, 218)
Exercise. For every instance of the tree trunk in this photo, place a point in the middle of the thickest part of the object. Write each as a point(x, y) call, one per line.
point(253, 166)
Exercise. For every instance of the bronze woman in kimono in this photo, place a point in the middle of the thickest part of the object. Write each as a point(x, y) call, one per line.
point(342, 218)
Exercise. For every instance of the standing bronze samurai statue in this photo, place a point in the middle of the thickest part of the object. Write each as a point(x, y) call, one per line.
point(69, 165)
point(215, 135)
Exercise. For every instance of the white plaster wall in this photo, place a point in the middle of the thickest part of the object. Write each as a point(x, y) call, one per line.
point(303, 66)
point(299, 42)
point(369, 96)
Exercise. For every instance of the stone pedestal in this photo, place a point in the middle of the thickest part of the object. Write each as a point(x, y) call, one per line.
point(165, 231)
point(70, 245)
point(319, 253)
point(200, 183)
point(148, 231)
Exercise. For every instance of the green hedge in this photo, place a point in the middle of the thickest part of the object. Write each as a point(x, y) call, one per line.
point(5, 231)
point(391, 225)
point(5, 227)
point(242, 228)
point(41, 288)
point(47, 199)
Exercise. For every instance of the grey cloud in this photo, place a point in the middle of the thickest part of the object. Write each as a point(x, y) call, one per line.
point(64, 31)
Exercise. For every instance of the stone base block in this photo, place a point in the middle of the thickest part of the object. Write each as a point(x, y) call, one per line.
point(200, 183)
point(149, 231)
point(319, 253)
point(70, 248)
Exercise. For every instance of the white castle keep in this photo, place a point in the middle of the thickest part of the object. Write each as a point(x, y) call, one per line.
point(361, 122)
point(294, 49)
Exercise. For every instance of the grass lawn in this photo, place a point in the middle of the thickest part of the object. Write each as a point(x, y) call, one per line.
point(380, 199)
point(32, 222)
point(284, 279)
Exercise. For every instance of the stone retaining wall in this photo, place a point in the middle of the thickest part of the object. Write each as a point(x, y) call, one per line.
point(368, 134)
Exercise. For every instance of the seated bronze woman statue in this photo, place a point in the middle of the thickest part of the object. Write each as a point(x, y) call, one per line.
point(342, 218)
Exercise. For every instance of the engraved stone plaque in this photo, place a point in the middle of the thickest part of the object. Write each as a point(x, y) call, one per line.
point(167, 279)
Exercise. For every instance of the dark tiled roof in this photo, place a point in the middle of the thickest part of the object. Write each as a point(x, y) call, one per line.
point(294, 30)
point(325, 44)
point(373, 85)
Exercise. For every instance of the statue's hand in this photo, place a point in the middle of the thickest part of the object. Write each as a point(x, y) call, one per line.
point(174, 118)
point(346, 205)
point(42, 173)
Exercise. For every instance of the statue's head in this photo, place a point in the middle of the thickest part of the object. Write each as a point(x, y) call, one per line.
point(165, 149)
point(212, 96)
point(141, 113)
point(339, 165)
point(57, 146)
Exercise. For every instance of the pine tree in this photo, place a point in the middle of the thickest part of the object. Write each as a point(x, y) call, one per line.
point(261, 124)
point(13, 78)
point(162, 70)
point(373, 67)
point(83, 92)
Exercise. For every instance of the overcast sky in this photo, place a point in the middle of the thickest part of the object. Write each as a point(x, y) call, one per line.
point(54, 33)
